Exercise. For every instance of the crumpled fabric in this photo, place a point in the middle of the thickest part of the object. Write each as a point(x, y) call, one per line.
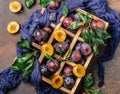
point(10, 78)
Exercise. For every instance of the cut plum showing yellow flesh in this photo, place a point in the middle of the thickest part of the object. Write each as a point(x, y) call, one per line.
point(13, 27)
point(47, 49)
point(79, 71)
point(59, 35)
point(15, 6)
point(57, 81)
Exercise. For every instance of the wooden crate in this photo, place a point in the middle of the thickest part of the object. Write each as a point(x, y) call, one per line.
point(75, 37)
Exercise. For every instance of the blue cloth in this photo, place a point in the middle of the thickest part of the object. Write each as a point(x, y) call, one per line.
point(10, 78)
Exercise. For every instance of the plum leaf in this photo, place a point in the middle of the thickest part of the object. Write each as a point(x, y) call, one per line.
point(49, 57)
point(88, 80)
point(24, 63)
point(65, 10)
point(82, 16)
point(68, 54)
point(24, 43)
point(20, 62)
point(29, 3)
point(89, 17)
point(74, 25)
point(92, 91)
point(29, 67)
point(45, 3)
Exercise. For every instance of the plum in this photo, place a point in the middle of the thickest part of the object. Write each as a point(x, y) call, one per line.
point(52, 65)
point(40, 35)
point(44, 70)
point(86, 49)
point(53, 5)
point(67, 21)
point(76, 17)
point(68, 82)
point(97, 24)
point(78, 46)
point(76, 56)
point(64, 47)
point(68, 71)
point(52, 16)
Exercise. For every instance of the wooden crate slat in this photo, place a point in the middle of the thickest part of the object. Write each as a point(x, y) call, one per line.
point(36, 45)
point(75, 39)
point(65, 90)
point(61, 67)
point(88, 61)
point(69, 33)
point(75, 86)
point(70, 63)
point(46, 79)
point(56, 56)
point(80, 39)
point(41, 58)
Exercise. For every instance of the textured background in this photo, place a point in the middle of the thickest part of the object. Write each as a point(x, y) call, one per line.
point(8, 43)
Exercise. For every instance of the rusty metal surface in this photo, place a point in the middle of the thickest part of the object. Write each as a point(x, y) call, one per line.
point(8, 43)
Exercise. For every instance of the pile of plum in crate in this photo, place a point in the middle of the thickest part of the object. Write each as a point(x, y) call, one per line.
point(65, 55)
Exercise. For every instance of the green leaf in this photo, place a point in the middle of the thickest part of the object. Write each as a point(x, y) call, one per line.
point(82, 16)
point(65, 10)
point(88, 81)
point(24, 44)
point(86, 35)
point(15, 68)
point(25, 63)
point(59, 51)
point(91, 36)
point(93, 41)
point(91, 91)
point(29, 3)
point(98, 34)
point(99, 41)
point(106, 34)
point(29, 68)
point(49, 57)
point(92, 33)
point(74, 25)
point(89, 17)
point(20, 62)
point(45, 3)
point(95, 50)
point(68, 54)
